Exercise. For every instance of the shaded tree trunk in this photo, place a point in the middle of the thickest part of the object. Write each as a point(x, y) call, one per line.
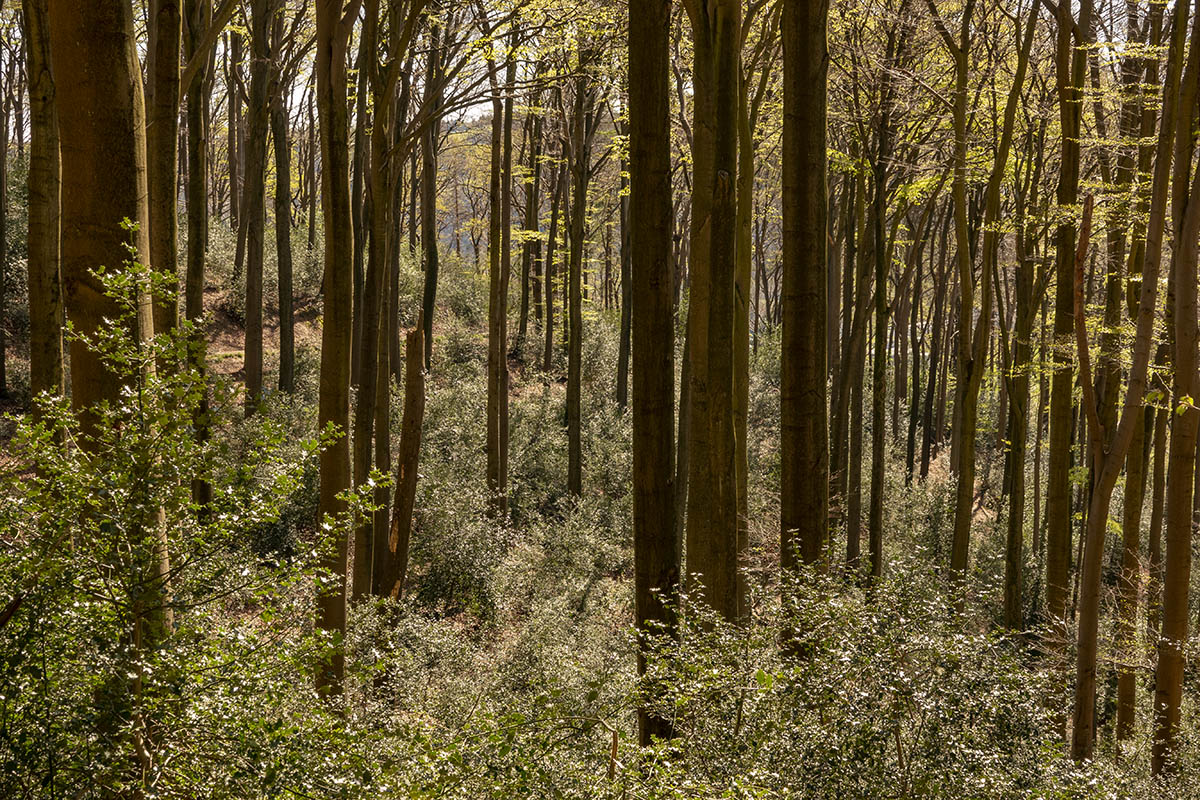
point(198, 19)
point(581, 151)
point(45, 281)
point(254, 196)
point(162, 156)
point(656, 547)
point(283, 213)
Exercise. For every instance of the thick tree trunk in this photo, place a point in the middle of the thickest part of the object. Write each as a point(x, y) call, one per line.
point(101, 114)
point(712, 507)
point(804, 444)
point(656, 547)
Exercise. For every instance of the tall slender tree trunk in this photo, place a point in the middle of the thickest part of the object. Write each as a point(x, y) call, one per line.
point(532, 228)
point(198, 18)
point(429, 166)
point(1181, 464)
point(254, 197)
point(712, 497)
point(233, 100)
point(1069, 73)
point(393, 569)
point(581, 136)
point(332, 36)
point(162, 156)
point(558, 185)
point(497, 468)
point(883, 154)
point(359, 197)
point(283, 213)
point(626, 293)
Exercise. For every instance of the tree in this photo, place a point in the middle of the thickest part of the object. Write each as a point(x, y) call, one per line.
point(656, 547)
point(804, 445)
point(334, 22)
point(162, 142)
point(197, 89)
point(102, 141)
point(254, 195)
point(583, 128)
point(45, 281)
point(712, 496)
point(1069, 63)
point(279, 89)
point(1168, 678)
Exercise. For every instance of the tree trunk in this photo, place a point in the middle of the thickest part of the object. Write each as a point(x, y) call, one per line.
point(656, 548)
point(804, 444)
point(429, 156)
point(712, 507)
point(1168, 684)
point(45, 281)
point(1069, 72)
point(101, 113)
point(254, 197)
point(162, 157)
point(497, 366)
point(199, 17)
point(626, 289)
point(558, 183)
point(334, 393)
point(283, 214)
point(363, 63)
point(581, 141)
point(394, 567)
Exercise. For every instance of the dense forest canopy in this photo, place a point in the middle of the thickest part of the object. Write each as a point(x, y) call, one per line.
point(713, 398)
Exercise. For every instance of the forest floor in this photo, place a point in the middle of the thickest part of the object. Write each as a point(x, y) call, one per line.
point(226, 334)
